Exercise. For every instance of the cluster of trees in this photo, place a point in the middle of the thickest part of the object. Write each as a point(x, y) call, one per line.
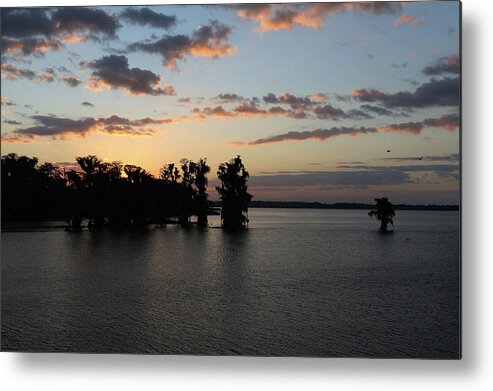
point(120, 195)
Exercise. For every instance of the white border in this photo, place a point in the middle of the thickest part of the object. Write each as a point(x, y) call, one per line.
point(122, 372)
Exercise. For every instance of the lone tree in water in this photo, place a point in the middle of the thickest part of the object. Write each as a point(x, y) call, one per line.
point(384, 213)
point(233, 191)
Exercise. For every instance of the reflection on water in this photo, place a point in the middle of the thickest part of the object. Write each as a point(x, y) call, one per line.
point(297, 282)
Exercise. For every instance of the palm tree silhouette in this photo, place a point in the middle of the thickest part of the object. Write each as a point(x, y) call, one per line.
point(233, 191)
point(383, 213)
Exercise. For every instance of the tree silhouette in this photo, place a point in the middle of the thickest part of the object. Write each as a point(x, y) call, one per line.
point(233, 191)
point(169, 173)
point(202, 205)
point(186, 191)
point(383, 213)
point(138, 194)
point(75, 189)
point(103, 192)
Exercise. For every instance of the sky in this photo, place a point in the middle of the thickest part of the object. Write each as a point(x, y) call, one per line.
point(329, 102)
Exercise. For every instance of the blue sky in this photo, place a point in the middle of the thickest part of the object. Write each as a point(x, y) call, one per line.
point(348, 85)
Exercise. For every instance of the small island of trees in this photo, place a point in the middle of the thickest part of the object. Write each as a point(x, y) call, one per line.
point(121, 195)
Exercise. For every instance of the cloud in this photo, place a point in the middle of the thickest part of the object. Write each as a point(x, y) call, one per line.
point(343, 98)
point(54, 126)
point(296, 114)
point(450, 64)
point(215, 111)
point(447, 122)
point(300, 107)
point(12, 122)
point(377, 110)
point(60, 128)
point(145, 16)
point(449, 158)
point(88, 104)
point(319, 96)
point(375, 177)
point(9, 138)
point(207, 41)
point(12, 72)
point(113, 72)
point(7, 102)
point(227, 97)
point(37, 30)
point(406, 127)
point(296, 102)
point(443, 92)
point(84, 19)
point(27, 46)
point(270, 98)
point(275, 17)
point(247, 108)
point(438, 168)
point(71, 81)
point(26, 22)
point(333, 113)
point(317, 134)
point(408, 19)
point(329, 112)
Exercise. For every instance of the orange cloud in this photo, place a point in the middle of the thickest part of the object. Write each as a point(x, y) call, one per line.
point(6, 101)
point(28, 46)
point(408, 19)
point(60, 128)
point(207, 41)
point(214, 50)
point(408, 127)
point(76, 38)
point(12, 72)
point(319, 96)
point(450, 64)
point(275, 17)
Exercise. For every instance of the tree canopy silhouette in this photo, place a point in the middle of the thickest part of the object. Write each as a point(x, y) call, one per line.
point(384, 213)
point(104, 192)
point(233, 192)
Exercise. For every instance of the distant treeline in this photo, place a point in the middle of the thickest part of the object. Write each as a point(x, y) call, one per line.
point(116, 194)
point(340, 205)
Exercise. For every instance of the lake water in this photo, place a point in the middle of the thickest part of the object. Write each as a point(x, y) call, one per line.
point(297, 282)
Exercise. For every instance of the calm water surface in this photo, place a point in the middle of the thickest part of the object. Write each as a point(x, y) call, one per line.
point(297, 282)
